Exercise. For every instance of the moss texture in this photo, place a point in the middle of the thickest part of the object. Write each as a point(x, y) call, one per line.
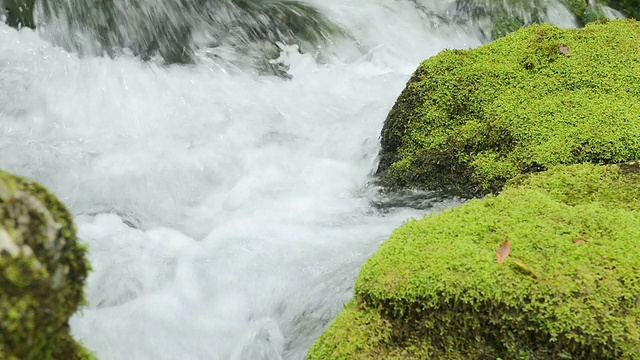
point(435, 289)
point(468, 121)
point(42, 273)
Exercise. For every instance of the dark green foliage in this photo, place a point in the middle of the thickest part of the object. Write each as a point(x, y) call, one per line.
point(577, 7)
point(499, 18)
point(503, 17)
point(42, 273)
point(434, 290)
point(20, 13)
point(468, 121)
point(630, 8)
point(584, 12)
point(506, 26)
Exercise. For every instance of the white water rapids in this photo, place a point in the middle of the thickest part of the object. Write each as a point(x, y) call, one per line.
point(226, 213)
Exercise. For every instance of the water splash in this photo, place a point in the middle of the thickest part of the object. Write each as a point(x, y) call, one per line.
point(171, 31)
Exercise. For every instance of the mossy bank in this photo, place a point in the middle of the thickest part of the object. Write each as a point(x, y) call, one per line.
point(42, 273)
point(570, 288)
point(468, 121)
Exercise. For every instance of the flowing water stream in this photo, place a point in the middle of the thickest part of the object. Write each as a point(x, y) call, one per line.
point(226, 211)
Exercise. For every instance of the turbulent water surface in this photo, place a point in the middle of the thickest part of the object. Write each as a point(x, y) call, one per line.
point(226, 211)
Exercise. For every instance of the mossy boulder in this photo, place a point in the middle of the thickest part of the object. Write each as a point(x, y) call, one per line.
point(42, 273)
point(19, 13)
point(469, 120)
point(148, 29)
point(570, 288)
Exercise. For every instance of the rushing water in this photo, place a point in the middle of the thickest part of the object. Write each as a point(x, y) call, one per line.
point(227, 212)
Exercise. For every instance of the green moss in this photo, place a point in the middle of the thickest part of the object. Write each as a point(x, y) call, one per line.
point(361, 331)
point(435, 289)
point(468, 121)
point(42, 273)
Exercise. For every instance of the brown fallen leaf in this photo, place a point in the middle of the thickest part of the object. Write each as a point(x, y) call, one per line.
point(503, 251)
point(564, 49)
point(579, 241)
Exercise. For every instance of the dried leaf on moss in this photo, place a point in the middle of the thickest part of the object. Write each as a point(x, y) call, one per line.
point(503, 251)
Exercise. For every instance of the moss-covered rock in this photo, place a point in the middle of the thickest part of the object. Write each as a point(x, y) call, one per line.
point(42, 273)
point(149, 28)
point(467, 121)
point(20, 13)
point(435, 290)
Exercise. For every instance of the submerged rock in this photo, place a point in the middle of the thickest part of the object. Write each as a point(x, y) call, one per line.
point(42, 273)
point(19, 13)
point(175, 30)
point(468, 121)
point(497, 18)
point(569, 289)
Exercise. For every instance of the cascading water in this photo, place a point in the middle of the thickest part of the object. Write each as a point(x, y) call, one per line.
point(227, 211)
